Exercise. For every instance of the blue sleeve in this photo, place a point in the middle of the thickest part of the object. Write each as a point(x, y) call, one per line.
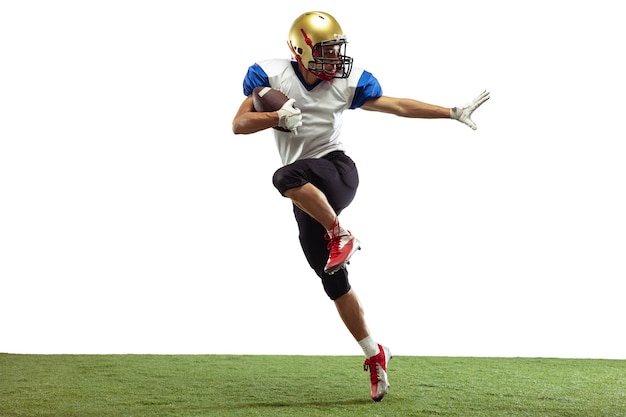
point(367, 88)
point(255, 77)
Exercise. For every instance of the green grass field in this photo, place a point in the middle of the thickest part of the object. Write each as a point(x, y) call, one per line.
point(225, 385)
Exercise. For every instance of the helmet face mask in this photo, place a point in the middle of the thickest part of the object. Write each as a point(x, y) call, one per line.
point(317, 42)
point(329, 57)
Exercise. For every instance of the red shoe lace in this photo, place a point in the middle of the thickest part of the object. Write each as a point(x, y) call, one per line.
point(334, 240)
point(370, 364)
point(333, 245)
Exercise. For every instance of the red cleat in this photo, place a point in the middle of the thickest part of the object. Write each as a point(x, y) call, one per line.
point(342, 245)
point(377, 365)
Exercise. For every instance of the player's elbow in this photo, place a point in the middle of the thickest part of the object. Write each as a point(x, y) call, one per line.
point(254, 122)
point(239, 127)
point(244, 128)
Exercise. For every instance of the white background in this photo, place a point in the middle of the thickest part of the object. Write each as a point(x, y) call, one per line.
point(132, 220)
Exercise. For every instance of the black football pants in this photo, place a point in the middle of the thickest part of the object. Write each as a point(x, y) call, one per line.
point(337, 177)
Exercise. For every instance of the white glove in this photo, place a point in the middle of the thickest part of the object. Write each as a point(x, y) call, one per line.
point(464, 114)
point(290, 117)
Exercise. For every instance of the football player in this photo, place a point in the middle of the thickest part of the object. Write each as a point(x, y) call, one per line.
point(317, 175)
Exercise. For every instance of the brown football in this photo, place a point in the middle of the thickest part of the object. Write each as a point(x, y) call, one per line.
point(268, 99)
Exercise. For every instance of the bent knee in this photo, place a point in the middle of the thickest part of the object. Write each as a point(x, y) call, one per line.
point(336, 285)
point(285, 180)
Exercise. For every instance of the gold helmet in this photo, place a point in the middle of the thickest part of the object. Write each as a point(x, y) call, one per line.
point(318, 43)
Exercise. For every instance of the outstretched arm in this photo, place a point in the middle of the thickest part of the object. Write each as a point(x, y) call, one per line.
point(406, 107)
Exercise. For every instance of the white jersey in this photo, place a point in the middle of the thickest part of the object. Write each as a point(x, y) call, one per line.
point(322, 105)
